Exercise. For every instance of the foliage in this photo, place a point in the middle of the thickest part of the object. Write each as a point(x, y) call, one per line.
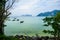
point(3, 37)
point(4, 7)
point(54, 22)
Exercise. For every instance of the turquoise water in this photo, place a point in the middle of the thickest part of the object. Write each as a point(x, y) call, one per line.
point(31, 26)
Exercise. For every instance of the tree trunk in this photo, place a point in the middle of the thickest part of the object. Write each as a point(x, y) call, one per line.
point(1, 24)
point(1, 30)
point(1, 27)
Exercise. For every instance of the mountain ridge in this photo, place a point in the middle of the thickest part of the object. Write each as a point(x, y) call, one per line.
point(52, 13)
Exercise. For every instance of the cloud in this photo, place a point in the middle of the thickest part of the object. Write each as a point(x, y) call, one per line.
point(34, 7)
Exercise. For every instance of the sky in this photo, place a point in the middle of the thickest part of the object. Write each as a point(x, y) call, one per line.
point(34, 7)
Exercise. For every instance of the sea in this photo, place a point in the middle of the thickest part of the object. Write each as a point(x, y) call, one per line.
point(30, 27)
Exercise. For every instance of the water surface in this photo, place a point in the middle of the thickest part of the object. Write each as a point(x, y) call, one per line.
point(31, 26)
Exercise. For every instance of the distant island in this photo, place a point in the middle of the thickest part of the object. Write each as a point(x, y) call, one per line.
point(27, 15)
point(52, 13)
point(19, 16)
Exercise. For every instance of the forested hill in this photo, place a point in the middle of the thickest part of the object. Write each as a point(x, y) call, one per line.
point(52, 13)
